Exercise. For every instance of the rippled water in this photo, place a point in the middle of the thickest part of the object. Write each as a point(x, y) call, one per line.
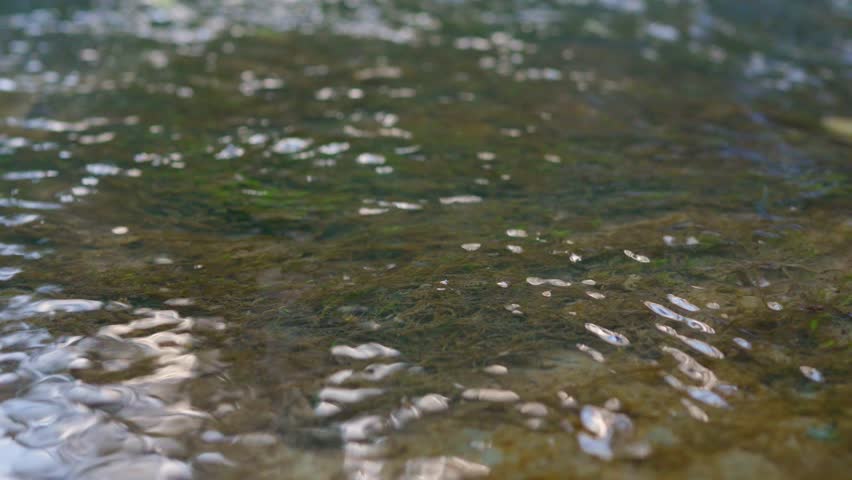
point(425, 239)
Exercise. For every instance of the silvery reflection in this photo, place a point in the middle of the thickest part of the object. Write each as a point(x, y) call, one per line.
point(58, 426)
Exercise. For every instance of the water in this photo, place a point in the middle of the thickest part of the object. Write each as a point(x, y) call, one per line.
point(425, 239)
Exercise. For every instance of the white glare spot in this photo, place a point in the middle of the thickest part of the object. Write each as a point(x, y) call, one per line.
point(460, 199)
point(370, 159)
point(608, 336)
point(637, 257)
point(811, 373)
point(682, 303)
point(290, 145)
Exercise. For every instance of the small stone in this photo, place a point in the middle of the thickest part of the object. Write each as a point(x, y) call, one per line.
point(566, 401)
point(496, 370)
point(432, 403)
point(326, 409)
point(613, 404)
point(490, 395)
point(533, 409)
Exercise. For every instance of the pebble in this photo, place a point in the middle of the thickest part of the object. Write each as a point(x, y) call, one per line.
point(534, 409)
point(490, 395)
point(496, 370)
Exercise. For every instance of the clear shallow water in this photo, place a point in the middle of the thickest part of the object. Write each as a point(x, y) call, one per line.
point(424, 239)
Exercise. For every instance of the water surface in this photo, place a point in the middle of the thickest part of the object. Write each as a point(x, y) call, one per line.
point(425, 239)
